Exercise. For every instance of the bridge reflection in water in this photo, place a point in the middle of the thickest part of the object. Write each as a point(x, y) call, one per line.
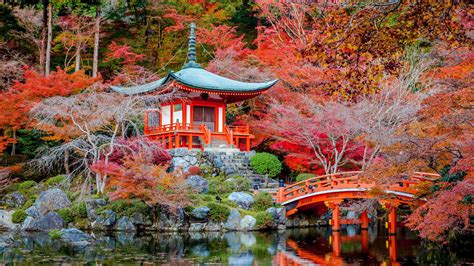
point(348, 246)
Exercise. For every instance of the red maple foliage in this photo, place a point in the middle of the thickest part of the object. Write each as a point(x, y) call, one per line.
point(17, 101)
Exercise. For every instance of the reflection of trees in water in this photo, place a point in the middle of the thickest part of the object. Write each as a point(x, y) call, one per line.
point(226, 248)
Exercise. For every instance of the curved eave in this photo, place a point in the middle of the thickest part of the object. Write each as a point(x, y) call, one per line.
point(259, 88)
point(140, 88)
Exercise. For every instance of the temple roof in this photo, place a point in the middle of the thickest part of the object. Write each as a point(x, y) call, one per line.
point(192, 76)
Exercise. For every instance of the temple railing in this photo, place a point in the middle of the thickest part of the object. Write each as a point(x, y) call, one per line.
point(207, 133)
point(169, 128)
point(350, 180)
point(240, 129)
point(229, 135)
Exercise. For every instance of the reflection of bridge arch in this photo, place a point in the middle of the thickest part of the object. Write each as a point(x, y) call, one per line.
point(331, 190)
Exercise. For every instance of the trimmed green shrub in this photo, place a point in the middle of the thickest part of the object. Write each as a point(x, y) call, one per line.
point(67, 215)
point(55, 234)
point(54, 181)
point(264, 219)
point(26, 185)
point(19, 216)
point(220, 185)
point(262, 201)
point(218, 212)
point(266, 164)
point(304, 176)
point(79, 210)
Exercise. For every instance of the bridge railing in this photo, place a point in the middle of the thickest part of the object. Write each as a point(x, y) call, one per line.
point(352, 179)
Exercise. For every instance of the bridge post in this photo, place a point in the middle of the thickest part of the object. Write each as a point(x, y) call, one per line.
point(392, 220)
point(336, 216)
point(365, 241)
point(392, 248)
point(364, 220)
point(336, 243)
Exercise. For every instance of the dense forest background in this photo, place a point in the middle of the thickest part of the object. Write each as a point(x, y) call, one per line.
point(379, 86)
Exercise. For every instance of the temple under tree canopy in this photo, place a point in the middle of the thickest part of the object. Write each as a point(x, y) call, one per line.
point(197, 120)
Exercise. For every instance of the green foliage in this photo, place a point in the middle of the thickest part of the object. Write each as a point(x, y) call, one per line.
point(264, 219)
point(31, 141)
point(27, 185)
point(79, 210)
point(126, 207)
point(54, 181)
point(266, 164)
point(218, 212)
point(19, 216)
point(67, 215)
point(263, 201)
point(55, 234)
point(220, 185)
point(304, 176)
point(28, 204)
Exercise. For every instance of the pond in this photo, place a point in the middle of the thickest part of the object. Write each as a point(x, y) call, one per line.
point(310, 246)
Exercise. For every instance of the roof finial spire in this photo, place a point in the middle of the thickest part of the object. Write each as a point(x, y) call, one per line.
point(191, 61)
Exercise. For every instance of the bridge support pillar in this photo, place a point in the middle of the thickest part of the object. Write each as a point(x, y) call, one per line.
point(364, 220)
point(392, 248)
point(336, 243)
point(336, 217)
point(365, 241)
point(392, 220)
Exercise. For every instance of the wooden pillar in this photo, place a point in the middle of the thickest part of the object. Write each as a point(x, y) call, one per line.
point(364, 220)
point(365, 241)
point(190, 142)
point(247, 148)
point(392, 220)
point(336, 243)
point(392, 249)
point(336, 217)
point(170, 142)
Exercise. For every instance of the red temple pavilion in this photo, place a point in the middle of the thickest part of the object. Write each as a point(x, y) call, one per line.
point(198, 120)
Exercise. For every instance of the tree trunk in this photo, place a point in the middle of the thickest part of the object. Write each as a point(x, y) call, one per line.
point(43, 36)
point(50, 39)
point(95, 61)
point(66, 163)
point(78, 57)
point(14, 143)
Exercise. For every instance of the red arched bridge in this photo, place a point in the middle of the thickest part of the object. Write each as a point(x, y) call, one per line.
point(328, 191)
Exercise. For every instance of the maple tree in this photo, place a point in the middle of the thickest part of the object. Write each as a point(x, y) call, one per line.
point(17, 100)
point(138, 176)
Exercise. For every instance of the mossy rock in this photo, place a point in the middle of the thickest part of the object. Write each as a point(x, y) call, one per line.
point(264, 220)
point(19, 216)
point(55, 181)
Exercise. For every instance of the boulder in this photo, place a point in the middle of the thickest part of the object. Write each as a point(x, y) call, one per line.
point(198, 183)
point(200, 212)
point(247, 223)
point(212, 226)
point(273, 212)
point(14, 200)
point(74, 235)
point(242, 199)
point(171, 220)
point(281, 215)
point(48, 222)
point(233, 221)
point(92, 205)
point(196, 227)
point(6, 220)
point(52, 200)
point(33, 211)
point(124, 224)
point(109, 219)
point(5, 240)
point(139, 219)
point(27, 223)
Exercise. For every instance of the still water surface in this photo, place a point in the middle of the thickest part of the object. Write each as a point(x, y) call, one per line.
point(315, 246)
